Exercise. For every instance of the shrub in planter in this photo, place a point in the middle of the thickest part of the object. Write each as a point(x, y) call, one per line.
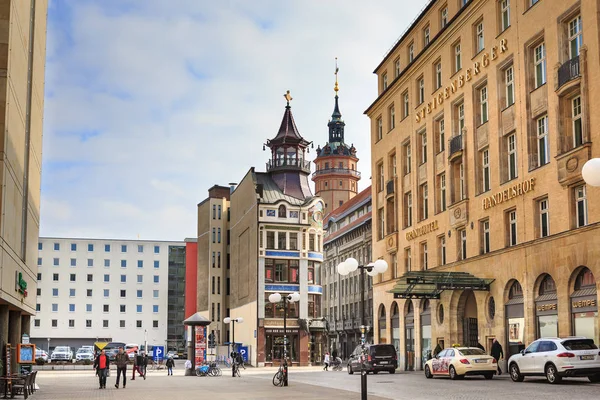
point(40, 361)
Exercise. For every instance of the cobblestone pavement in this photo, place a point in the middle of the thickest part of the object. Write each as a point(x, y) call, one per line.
point(78, 385)
point(305, 383)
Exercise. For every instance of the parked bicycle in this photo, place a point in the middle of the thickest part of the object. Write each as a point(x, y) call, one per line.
point(279, 377)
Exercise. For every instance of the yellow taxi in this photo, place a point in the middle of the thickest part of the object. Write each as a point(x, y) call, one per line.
point(458, 362)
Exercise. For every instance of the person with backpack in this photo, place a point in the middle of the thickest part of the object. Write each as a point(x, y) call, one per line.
point(170, 364)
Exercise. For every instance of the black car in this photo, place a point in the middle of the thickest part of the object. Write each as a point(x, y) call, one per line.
point(380, 357)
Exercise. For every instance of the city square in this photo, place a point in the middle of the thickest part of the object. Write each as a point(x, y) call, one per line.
point(305, 383)
point(301, 200)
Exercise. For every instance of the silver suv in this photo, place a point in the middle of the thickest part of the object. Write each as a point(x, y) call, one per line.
point(557, 358)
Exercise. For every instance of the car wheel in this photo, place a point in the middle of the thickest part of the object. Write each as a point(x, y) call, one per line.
point(428, 373)
point(350, 371)
point(515, 374)
point(552, 374)
point(489, 376)
point(453, 374)
point(392, 371)
point(594, 378)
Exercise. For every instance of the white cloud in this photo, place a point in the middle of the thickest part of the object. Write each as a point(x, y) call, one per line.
point(181, 96)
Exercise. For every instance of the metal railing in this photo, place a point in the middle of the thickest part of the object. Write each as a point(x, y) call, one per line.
point(343, 171)
point(568, 71)
point(289, 163)
point(456, 144)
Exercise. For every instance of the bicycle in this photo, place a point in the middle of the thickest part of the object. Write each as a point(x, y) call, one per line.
point(279, 377)
point(214, 369)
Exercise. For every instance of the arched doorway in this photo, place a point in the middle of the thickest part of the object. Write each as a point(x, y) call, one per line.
point(584, 305)
point(546, 307)
point(382, 325)
point(395, 317)
point(467, 311)
point(425, 332)
point(514, 317)
point(409, 337)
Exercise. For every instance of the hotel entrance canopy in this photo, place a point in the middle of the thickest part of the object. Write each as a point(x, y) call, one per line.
point(430, 284)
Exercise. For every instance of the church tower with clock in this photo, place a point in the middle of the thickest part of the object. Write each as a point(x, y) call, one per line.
point(336, 176)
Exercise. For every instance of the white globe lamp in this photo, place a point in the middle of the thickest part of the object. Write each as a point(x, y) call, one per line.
point(591, 172)
point(351, 264)
point(380, 266)
point(342, 269)
point(274, 297)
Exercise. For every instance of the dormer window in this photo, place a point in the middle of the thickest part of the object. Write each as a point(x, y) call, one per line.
point(282, 211)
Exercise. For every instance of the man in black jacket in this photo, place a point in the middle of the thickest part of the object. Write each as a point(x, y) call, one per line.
point(497, 353)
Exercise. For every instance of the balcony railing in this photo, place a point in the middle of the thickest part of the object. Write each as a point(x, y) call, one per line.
point(290, 163)
point(456, 145)
point(568, 71)
point(389, 187)
point(338, 171)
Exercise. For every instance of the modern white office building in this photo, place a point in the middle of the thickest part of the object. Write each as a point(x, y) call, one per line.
point(102, 290)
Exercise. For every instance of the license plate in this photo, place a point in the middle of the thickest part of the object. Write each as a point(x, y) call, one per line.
point(480, 361)
point(383, 362)
point(587, 357)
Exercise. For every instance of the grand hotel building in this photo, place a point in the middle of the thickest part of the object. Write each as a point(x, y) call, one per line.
point(481, 127)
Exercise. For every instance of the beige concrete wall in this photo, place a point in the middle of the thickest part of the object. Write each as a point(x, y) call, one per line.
point(244, 332)
point(14, 65)
point(244, 243)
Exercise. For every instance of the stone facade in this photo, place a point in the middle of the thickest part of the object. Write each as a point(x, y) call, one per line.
point(348, 234)
point(496, 123)
point(22, 62)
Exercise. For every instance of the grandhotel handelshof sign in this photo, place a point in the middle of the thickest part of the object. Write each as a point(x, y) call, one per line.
point(460, 80)
point(516, 190)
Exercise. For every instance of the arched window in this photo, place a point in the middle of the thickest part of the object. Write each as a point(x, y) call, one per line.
point(585, 279)
point(547, 286)
point(282, 213)
point(515, 290)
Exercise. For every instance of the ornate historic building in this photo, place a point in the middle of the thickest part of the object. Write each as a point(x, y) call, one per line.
point(275, 236)
point(481, 127)
point(347, 234)
point(336, 178)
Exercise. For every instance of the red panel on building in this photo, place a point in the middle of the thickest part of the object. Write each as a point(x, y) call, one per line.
point(191, 277)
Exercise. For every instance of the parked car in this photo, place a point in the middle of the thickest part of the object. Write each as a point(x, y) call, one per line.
point(458, 362)
point(61, 353)
point(39, 353)
point(172, 354)
point(84, 354)
point(557, 358)
point(380, 357)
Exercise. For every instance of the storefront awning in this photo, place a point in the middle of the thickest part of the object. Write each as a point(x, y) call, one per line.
point(429, 284)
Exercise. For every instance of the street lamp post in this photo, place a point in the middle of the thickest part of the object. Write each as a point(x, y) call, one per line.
point(232, 321)
point(275, 298)
point(48, 346)
point(373, 269)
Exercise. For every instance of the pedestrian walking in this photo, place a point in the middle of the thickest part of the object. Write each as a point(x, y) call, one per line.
point(121, 360)
point(334, 354)
point(101, 365)
point(170, 364)
point(497, 353)
point(326, 361)
point(145, 364)
point(138, 361)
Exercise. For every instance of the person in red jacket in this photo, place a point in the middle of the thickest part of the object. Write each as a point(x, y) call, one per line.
point(101, 365)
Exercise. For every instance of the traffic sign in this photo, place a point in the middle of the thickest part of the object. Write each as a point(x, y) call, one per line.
point(159, 353)
point(244, 353)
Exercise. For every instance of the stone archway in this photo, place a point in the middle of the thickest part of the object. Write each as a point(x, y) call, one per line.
point(468, 330)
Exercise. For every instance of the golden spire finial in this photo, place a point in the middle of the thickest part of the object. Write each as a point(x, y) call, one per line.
point(288, 97)
point(336, 88)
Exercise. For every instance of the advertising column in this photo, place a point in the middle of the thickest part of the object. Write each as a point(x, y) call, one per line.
point(200, 350)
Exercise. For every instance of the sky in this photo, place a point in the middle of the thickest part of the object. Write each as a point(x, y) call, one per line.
point(149, 103)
